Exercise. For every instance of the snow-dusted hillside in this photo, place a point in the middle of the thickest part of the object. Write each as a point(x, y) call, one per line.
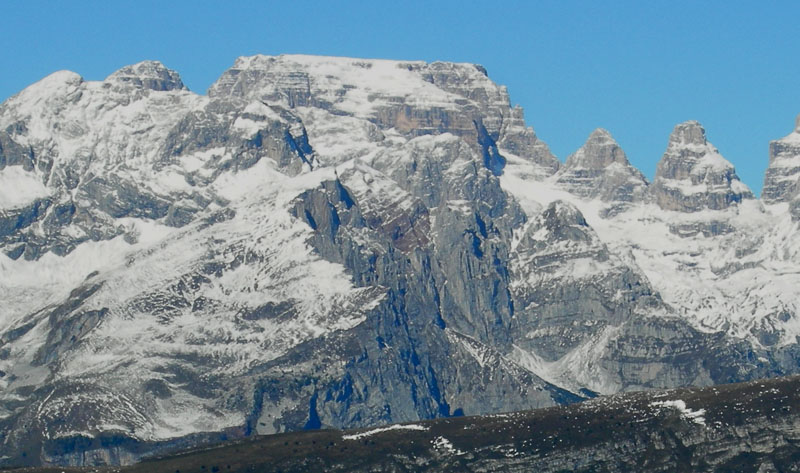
point(346, 242)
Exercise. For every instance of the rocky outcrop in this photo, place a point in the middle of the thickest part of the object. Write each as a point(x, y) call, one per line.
point(248, 133)
point(519, 139)
point(150, 75)
point(693, 176)
point(587, 319)
point(98, 143)
point(14, 154)
point(600, 169)
point(782, 175)
point(565, 281)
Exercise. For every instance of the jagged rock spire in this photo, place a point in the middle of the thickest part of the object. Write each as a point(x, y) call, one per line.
point(600, 169)
point(692, 175)
point(690, 132)
point(781, 181)
point(599, 151)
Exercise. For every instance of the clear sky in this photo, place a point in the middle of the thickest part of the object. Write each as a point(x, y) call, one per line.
point(635, 68)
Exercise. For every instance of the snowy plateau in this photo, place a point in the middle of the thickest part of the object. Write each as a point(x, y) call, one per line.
point(348, 243)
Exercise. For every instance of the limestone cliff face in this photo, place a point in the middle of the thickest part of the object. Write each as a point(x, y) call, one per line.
point(569, 289)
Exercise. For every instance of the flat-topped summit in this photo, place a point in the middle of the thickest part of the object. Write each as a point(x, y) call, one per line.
point(600, 169)
point(350, 85)
point(692, 175)
point(152, 75)
point(410, 98)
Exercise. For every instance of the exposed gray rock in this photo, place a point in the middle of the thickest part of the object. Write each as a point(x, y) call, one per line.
point(794, 208)
point(576, 300)
point(706, 228)
point(583, 312)
point(692, 175)
point(600, 169)
point(12, 153)
point(565, 285)
point(424, 320)
point(262, 131)
point(150, 75)
point(521, 140)
point(782, 175)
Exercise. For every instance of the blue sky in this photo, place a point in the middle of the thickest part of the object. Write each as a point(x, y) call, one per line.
point(635, 68)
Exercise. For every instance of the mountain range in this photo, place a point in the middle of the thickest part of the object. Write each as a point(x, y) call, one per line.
point(335, 242)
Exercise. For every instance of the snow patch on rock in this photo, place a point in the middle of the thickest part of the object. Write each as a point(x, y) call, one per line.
point(380, 430)
point(696, 416)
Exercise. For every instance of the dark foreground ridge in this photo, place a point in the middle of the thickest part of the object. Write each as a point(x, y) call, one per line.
point(743, 427)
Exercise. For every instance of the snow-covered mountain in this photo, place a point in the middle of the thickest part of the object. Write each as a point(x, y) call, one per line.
point(345, 242)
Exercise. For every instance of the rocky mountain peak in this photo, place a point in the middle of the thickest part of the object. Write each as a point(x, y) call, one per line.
point(600, 134)
point(564, 213)
point(152, 75)
point(57, 86)
point(690, 132)
point(600, 169)
point(688, 153)
point(781, 181)
point(599, 151)
point(409, 98)
point(59, 77)
point(693, 175)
